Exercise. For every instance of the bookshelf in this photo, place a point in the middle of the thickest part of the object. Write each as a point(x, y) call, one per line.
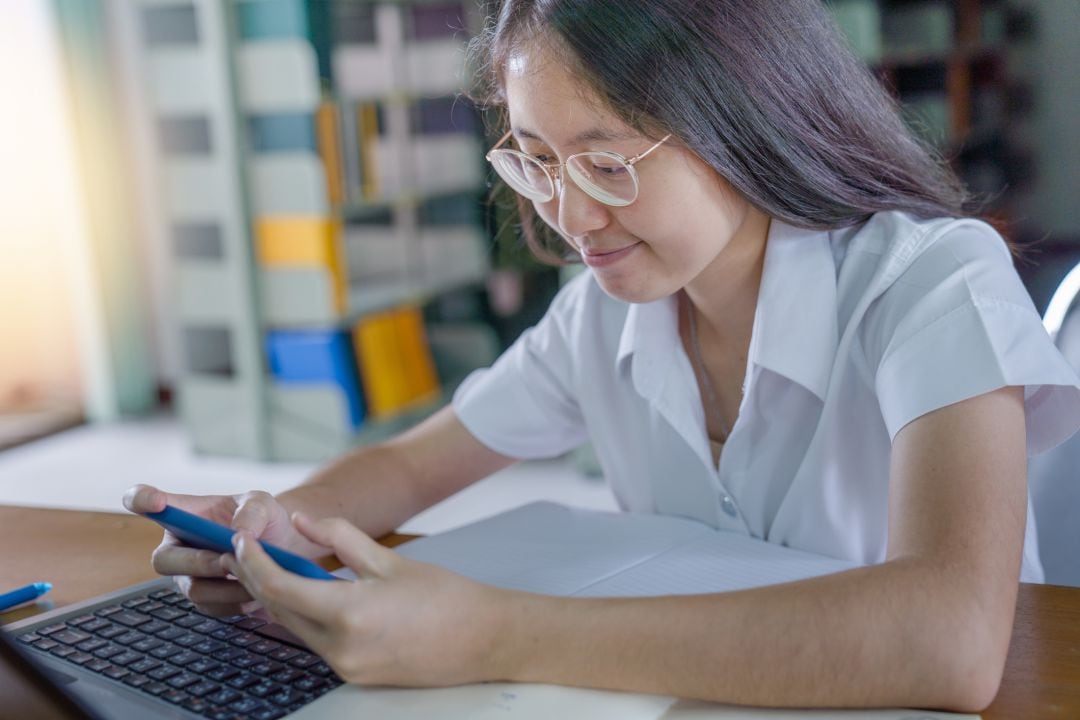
point(321, 182)
point(947, 63)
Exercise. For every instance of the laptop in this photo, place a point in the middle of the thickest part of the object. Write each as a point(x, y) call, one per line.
point(146, 652)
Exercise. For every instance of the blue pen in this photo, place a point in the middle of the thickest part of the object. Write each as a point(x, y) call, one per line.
point(23, 594)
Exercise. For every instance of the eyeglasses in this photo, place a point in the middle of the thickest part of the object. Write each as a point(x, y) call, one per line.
point(605, 176)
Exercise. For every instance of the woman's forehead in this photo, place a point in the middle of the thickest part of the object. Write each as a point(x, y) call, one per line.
point(548, 101)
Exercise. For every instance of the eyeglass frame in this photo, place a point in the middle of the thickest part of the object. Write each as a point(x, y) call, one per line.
point(554, 170)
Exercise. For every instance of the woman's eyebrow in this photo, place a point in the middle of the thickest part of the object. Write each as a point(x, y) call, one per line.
point(590, 135)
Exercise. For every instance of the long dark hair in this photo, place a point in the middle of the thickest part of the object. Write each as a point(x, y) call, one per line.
point(767, 92)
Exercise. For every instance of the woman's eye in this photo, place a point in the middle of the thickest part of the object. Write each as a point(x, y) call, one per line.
point(545, 159)
point(612, 170)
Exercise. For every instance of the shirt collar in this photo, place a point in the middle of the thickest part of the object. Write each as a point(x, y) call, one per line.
point(795, 324)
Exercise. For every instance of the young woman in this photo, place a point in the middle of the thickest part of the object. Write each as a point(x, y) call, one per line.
point(787, 332)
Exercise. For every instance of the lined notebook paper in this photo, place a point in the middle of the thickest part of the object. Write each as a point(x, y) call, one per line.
point(548, 548)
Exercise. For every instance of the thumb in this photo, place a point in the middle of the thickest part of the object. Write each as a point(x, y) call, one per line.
point(354, 548)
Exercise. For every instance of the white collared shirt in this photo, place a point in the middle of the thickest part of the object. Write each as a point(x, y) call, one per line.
point(857, 332)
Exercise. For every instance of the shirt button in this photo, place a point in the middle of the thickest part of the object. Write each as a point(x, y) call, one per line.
point(728, 506)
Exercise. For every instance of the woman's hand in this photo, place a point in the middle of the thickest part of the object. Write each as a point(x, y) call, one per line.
point(200, 574)
point(402, 623)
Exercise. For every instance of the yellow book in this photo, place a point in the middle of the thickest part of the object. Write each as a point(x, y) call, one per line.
point(396, 367)
point(374, 344)
point(422, 379)
point(283, 241)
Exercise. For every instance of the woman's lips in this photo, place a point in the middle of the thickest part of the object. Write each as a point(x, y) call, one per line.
point(603, 258)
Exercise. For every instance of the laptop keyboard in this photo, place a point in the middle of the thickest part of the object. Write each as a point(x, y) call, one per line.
point(231, 668)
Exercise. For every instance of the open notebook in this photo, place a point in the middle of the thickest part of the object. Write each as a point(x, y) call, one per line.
point(547, 548)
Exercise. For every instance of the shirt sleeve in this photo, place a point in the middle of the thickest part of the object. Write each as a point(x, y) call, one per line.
point(959, 323)
point(525, 405)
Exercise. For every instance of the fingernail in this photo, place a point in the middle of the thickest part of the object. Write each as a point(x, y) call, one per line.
point(238, 541)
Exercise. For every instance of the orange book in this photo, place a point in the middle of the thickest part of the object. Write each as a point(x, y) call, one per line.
point(328, 135)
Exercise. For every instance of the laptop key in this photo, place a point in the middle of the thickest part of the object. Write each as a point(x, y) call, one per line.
point(135, 602)
point(196, 705)
point(227, 655)
point(184, 679)
point(108, 651)
point(164, 672)
point(188, 620)
point(46, 644)
point(209, 647)
point(144, 666)
point(62, 651)
point(97, 664)
point(286, 676)
point(189, 639)
point(116, 673)
point(171, 633)
point(305, 660)
point(287, 697)
point(285, 653)
point(131, 636)
point(185, 657)
point(247, 705)
point(82, 620)
point(267, 667)
point(203, 665)
point(243, 680)
point(203, 688)
point(70, 637)
point(92, 644)
point(309, 683)
point(161, 594)
point(130, 618)
point(245, 640)
point(136, 680)
point(226, 633)
point(155, 688)
point(233, 619)
point(125, 658)
point(222, 673)
point(246, 660)
point(29, 638)
point(51, 629)
point(165, 650)
point(265, 688)
point(168, 614)
point(112, 631)
point(207, 626)
point(80, 658)
point(224, 696)
point(175, 696)
point(269, 713)
point(93, 624)
point(108, 611)
point(147, 644)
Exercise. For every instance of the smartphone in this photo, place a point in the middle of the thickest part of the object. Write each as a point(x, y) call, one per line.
point(206, 534)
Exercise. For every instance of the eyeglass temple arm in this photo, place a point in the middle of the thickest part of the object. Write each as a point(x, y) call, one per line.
point(659, 142)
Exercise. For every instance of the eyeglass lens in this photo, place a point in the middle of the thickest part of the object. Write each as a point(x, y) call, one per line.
point(603, 176)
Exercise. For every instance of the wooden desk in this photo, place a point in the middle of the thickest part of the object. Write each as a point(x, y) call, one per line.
point(86, 554)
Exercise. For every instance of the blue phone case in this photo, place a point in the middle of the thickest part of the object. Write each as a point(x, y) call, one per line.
point(209, 535)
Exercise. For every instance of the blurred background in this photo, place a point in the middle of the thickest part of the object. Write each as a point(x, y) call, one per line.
point(239, 237)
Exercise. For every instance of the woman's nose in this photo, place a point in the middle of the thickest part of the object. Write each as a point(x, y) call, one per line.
point(579, 214)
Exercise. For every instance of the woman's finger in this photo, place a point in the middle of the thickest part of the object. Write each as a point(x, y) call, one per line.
point(353, 547)
point(172, 558)
point(275, 586)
